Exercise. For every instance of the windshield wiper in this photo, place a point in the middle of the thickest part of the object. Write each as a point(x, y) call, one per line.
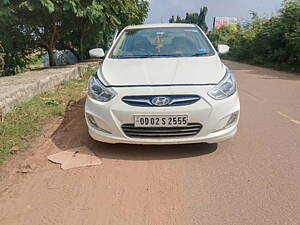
point(129, 56)
point(178, 55)
point(166, 55)
point(143, 56)
point(200, 53)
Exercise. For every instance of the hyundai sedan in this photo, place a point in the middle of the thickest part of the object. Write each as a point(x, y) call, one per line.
point(162, 84)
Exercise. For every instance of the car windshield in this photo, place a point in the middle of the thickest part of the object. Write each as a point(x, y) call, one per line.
point(162, 42)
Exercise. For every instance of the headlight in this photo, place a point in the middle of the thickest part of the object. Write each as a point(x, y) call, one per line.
point(98, 91)
point(225, 88)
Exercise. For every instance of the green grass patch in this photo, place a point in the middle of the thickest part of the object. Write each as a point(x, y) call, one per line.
point(27, 121)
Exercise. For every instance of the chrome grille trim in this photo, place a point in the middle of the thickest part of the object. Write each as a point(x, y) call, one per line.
point(161, 132)
point(146, 100)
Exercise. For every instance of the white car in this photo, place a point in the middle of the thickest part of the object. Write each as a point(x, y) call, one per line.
point(162, 84)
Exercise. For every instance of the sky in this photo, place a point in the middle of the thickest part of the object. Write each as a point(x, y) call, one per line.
point(162, 10)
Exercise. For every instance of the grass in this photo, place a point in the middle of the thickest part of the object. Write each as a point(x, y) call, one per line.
point(18, 128)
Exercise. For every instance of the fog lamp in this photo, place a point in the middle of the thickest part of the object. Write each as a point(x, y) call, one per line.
point(94, 124)
point(91, 120)
point(232, 119)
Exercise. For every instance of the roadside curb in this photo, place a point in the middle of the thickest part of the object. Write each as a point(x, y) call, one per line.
point(22, 87)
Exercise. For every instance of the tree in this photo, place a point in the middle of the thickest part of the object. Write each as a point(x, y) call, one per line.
point(16, 45)
point(172, 19)
point(194, 18)
point(39, 21)
point(60, 24)
point(89, 23)
point(201, 19)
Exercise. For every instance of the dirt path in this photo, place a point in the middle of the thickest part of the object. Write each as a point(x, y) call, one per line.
point(252, 179)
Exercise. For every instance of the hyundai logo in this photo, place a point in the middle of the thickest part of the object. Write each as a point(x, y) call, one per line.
point(161, 101)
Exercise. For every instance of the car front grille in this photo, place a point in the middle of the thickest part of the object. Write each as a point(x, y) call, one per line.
point(146, 100)
point(161, 132)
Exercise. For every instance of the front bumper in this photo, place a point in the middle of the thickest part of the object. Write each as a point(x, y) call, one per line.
point(212, 114)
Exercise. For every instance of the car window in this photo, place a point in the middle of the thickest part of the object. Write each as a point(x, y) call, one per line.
point(162, 42)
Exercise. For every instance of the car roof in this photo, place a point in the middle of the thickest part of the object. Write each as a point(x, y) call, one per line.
point(144, 26)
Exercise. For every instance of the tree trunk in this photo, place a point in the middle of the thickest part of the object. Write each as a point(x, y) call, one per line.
point(51, 57)
point(81, 47)
point(82, 32)
point(52, 45)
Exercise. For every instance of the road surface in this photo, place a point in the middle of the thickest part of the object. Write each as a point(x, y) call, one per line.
point(252, 179)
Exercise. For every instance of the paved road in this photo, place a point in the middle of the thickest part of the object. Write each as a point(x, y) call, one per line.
point(252, 179)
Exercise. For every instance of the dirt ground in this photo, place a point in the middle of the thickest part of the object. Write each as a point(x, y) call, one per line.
point(253, 178)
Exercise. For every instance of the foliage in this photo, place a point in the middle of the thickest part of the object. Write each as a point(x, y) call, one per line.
point(15, 47)
point(51, 101)
point(274, 41)
point(90, 23)
point(194, 18)
point(77, 25)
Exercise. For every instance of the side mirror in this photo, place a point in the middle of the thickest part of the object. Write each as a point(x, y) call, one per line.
point(223, 49)
point(97, 53)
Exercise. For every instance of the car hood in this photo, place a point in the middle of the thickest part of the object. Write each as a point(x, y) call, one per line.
point(162, 71)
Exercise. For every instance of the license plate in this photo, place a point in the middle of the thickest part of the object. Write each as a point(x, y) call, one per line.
point(160, 120)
